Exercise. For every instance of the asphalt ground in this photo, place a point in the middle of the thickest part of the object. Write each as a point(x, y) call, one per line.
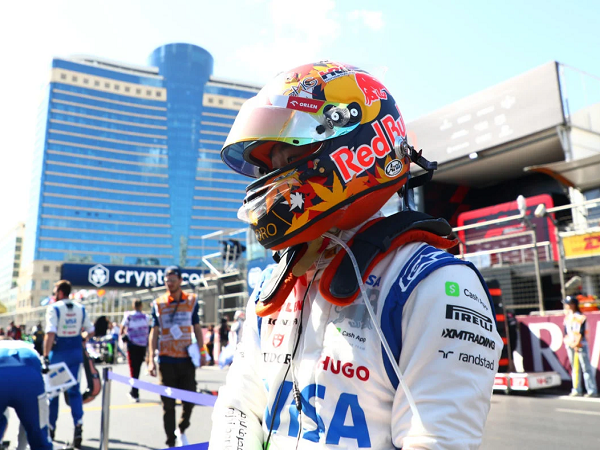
point(534, 421)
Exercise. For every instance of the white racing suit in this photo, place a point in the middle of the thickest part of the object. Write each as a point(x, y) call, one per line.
point(438, 320)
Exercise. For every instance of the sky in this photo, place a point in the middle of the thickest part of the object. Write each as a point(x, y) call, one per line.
point(428, 53)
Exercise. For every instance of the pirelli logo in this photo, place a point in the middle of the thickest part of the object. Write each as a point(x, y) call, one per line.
point(464, 314)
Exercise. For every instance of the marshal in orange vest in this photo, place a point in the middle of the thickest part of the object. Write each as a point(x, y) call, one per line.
point(175, 319)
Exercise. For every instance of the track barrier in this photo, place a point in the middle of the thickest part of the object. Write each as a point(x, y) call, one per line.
point(178, 394)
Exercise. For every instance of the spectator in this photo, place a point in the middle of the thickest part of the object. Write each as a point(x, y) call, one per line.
point(1, 331)
point(38, 338)
point(63, 343)
point(101, 326)
point(174, 319)
point(237, 329)
point(115, 332)
point(224, 333)
point(14, 332)
point(210, 345)
point(134, 331)
point(577, 349)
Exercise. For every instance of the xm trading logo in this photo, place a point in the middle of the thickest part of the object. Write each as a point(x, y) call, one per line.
point(452, 333)
point(98, 275)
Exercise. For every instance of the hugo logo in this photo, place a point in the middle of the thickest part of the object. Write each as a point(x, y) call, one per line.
point(348, 370)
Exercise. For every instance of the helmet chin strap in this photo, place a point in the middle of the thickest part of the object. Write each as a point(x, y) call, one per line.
point(313, 252)
point(293, 263)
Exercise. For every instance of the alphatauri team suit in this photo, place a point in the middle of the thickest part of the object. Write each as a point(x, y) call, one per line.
point(438, 319)
point(22, 388)
point(67, 318)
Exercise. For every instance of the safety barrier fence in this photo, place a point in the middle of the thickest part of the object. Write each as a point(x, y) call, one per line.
point(178, 394)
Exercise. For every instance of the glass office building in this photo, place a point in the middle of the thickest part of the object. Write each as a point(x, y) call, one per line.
point(126, 166)
point(11, 245)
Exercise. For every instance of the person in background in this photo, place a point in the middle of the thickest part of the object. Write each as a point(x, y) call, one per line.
point(134, 332)
point(22, 388)
point(38, 338)
point(101, 326)
point(115, 332)
point(237, 329)
point(14, 332)
point(63, 342)
point(174, 319)
point(577, 349)
point(224, 329)
point(210, 345)
point(1, 331)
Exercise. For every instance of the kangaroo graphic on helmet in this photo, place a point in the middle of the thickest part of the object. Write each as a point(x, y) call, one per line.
point(357, 312)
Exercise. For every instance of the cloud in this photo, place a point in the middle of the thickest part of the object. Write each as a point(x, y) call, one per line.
point(371, 19)
point(293, 37)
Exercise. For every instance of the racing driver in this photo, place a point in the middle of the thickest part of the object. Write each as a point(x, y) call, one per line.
point(366, 333)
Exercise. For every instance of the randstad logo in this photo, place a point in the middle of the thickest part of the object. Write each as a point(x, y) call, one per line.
point(452, 289)
point(98, 275)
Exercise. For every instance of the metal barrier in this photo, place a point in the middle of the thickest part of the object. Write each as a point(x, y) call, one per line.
point(528, 252)
point(165, 391)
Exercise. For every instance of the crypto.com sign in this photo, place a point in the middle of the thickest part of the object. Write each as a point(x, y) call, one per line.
point(107, 275)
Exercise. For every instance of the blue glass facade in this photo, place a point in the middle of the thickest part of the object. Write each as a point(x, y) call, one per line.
point(127, 167)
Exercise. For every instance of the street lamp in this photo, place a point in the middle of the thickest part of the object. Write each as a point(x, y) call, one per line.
point(522, 205)
point(540, 212)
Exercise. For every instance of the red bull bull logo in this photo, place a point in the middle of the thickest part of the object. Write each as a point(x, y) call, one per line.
point(372, 89)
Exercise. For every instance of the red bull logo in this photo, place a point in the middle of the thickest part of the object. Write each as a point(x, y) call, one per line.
point(351, 163)
point(372, 89)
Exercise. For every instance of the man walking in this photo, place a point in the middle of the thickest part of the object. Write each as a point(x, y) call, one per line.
point(134, 331)
point(63, 343)
point(174, 318)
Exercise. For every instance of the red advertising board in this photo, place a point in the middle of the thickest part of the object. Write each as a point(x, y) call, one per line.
point(543, 348)
point(510, 233)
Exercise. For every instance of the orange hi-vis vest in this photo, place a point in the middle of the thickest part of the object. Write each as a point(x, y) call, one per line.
point(173, 315)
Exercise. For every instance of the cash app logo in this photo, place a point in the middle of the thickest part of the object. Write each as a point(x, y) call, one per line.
point(452, 289)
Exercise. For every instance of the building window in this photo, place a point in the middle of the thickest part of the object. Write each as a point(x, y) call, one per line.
point(57, 269)
point(210, 100)
point(86, 81)
point(45, 284)
point(117, 87)
point(19, 240)
point(46, 269)
point(158, 94)
point(148, 92)
point(63, 76)
point(96, 83)
point(74, 78)
point(107, 85)
point(138, 91)
point(127, 88)
point(220, 101)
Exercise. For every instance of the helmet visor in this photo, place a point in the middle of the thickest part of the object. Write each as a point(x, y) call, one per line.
point(261, 199)
point(293, 120)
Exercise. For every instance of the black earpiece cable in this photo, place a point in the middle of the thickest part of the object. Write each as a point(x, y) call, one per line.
point(296, 393)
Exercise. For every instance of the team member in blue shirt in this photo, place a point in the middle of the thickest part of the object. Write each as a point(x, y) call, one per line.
point(22, 388)
point(65, 320)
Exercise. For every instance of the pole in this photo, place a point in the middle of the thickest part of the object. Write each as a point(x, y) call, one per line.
point(538, 277)
point(105, 415)
point(561, 262)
